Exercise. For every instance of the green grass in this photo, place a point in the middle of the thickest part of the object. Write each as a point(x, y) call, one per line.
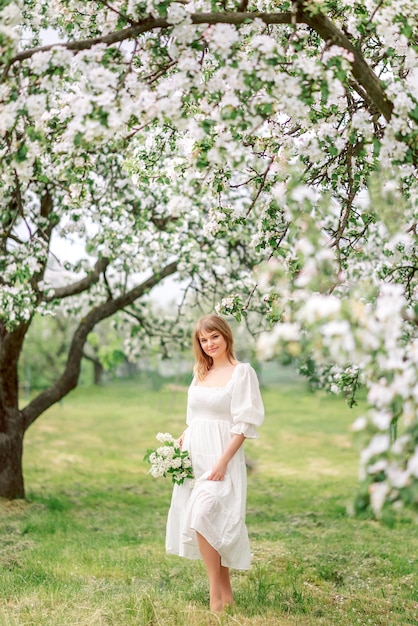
point(87, 546)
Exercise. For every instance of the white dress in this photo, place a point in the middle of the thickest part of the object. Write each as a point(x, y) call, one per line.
point(216, 509)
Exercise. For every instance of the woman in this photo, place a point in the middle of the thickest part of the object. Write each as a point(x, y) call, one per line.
point(207, 515)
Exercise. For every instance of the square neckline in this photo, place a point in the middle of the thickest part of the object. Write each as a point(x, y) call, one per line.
point(217, 386)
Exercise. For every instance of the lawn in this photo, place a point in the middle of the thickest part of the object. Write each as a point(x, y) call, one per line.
point(87, 546)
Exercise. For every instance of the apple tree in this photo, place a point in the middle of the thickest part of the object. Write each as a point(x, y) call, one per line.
point(264, 153)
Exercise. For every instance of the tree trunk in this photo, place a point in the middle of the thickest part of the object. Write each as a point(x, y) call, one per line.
point(11, 447)
point(98, 372)
point(12, 426)
point(98, 368)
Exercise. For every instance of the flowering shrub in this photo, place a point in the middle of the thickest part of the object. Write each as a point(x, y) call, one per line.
point(169, 459)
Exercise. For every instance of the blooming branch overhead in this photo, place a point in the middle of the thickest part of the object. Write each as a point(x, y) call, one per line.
point(262, 152)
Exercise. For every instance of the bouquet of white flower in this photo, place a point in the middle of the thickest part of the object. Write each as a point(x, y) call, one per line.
point(169, 459)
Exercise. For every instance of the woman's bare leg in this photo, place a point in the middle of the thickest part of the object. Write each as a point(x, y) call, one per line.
point(212, 561)
point(226, 589)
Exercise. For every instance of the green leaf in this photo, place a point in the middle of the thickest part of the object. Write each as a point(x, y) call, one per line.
point(21, 153)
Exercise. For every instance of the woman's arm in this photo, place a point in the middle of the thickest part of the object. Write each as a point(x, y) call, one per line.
point(219, 469)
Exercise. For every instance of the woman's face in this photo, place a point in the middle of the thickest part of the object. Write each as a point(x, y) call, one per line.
point(213, 343)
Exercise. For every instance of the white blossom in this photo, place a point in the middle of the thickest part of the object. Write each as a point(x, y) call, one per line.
point(413, 464)
point(359, 424)
point(378, 493)
point(222, 37)
point(177, 13)
point(319, 307)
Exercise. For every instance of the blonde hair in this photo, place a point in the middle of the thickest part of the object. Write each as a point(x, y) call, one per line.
point(210, 323)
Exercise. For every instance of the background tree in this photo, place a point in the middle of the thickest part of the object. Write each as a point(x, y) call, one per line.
point(46, 346)
point(253, 134)
point(44, 354)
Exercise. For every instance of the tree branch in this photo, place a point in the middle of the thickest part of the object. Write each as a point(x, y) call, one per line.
point(327, 30)
point(122, 15)
point(69, 378)
point(81, 285)
point(320, 23)
point(147, 25)
point(46, 208)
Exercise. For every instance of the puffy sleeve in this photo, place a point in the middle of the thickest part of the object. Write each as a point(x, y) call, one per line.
point(247, 407)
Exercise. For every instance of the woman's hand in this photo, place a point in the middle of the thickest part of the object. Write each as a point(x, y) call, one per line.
point(218, 471)
point(180, 441)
